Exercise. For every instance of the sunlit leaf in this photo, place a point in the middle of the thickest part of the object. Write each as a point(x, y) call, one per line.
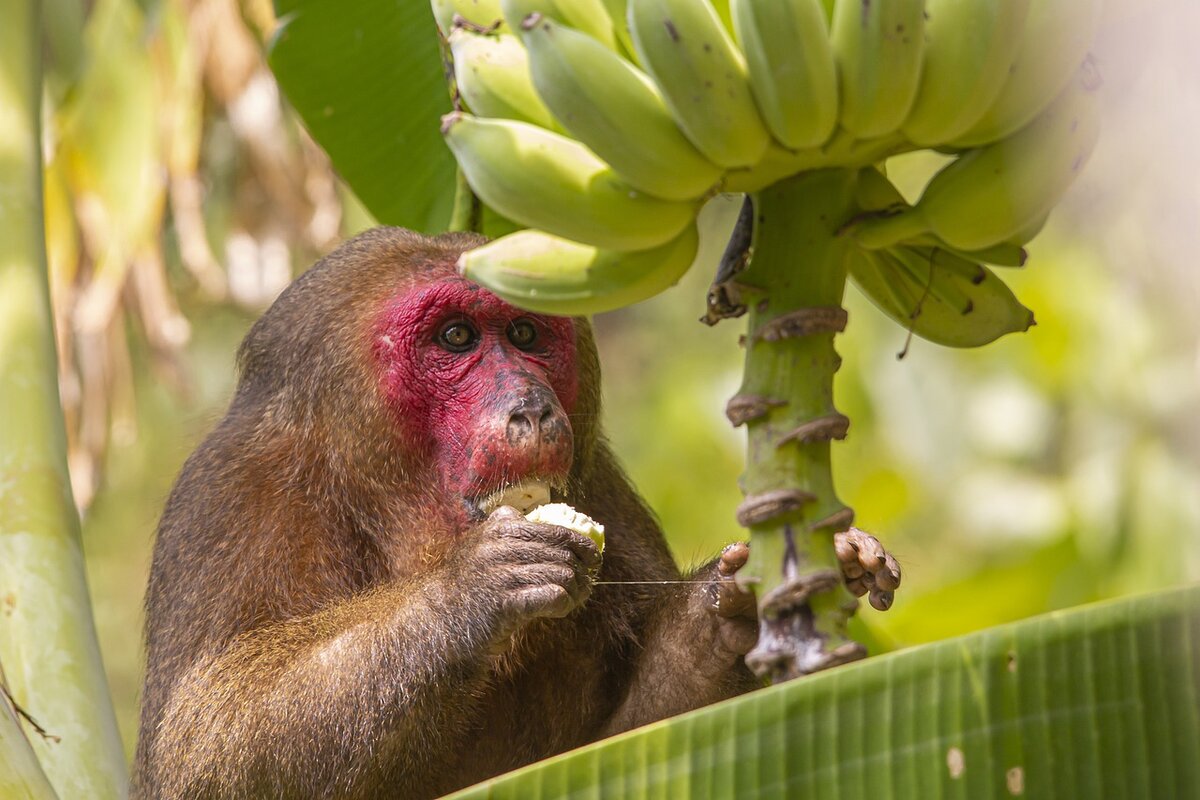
point(1100, 701)
point(367, 79)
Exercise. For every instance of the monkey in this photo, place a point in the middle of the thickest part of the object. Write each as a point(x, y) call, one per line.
point(345, 598)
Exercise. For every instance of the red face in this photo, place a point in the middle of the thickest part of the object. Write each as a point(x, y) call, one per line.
point(481, 387)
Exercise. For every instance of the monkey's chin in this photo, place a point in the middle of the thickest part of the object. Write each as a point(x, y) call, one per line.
point(524, 497)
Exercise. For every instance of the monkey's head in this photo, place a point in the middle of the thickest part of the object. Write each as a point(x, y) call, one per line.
point(393, 363)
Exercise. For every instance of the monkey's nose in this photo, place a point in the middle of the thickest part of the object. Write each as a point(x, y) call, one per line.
point(528, 422)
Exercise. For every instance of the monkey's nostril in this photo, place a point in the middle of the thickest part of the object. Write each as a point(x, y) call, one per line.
point(547, 414)
point(520, 427)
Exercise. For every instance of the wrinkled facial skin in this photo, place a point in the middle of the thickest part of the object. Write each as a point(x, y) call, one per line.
point(489, 407)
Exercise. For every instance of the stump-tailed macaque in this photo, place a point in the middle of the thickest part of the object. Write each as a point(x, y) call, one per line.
point(344, 601)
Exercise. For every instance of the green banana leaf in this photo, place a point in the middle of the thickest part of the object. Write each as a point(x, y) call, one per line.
point(1101, 701)
point(367, 79)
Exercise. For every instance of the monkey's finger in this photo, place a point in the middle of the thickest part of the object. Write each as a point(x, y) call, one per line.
point(857, 587)
point(733, 602)
point(581, 546)
point(881, 600)
point(505, 513)
point(733, 558)
point(547, 600)
point(888, 576)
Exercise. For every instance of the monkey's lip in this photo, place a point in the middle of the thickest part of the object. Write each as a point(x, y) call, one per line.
point(524, 497)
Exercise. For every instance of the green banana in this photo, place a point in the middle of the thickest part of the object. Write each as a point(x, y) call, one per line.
point(992, 195)
point(587, 16)
point(492, 74)
point(970, 45)
point(702, 77)
point(875, 193)
point(484, 13)
point(620, 22)
point(1055, 40)
point(1005, 254)
point(792, 74)
point(941, 305)
point(877, 47)
point(544, 180)
point(546, 273)
point(606, 103)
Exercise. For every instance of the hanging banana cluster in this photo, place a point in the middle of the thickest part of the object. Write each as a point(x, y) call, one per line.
point(603, 125)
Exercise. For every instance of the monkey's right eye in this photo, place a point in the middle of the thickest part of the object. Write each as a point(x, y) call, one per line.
point(457, 337)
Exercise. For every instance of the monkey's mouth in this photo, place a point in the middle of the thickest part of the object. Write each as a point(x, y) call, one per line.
point(524, 497)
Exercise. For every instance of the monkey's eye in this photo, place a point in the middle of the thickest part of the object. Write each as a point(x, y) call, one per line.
point(457, 337)
point(522, 333)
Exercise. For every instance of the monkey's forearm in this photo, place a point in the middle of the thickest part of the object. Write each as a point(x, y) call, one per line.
point(684, 664)
point(393, 672)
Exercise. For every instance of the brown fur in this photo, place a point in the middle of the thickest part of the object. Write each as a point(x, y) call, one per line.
point(316, 629)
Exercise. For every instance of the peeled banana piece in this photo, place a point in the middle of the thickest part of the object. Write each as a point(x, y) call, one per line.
point(946, 305)
point(548, 181)
point(552, 275)
point(564, 516)
point(609, 105)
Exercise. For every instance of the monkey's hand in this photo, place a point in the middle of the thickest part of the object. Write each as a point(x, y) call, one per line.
point(735, 610)
point(530, 569)
point(867, 567)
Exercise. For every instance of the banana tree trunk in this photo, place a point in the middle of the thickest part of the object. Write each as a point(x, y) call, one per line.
point(21, 776)
point(48, 642)
point(792, 289)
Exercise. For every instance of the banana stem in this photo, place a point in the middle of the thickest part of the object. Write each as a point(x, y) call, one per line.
point(48, 640)
point(793, 288)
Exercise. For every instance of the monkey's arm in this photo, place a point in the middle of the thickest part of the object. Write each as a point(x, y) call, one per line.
point(370, 692)
point(295, 709)
point(692, 648)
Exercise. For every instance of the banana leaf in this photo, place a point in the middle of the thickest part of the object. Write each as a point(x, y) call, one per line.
point(1101, 701)
point(367, 79)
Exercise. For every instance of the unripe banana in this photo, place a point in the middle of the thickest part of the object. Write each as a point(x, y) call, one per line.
point(587, 16)
point(970, 46)
point(492, 74)
point(702, 77)
point(877, 194)
point(484, 13)
point(980, 308)
point(552, 275)
point(877, 47)
point(792, 74)
point(620, 21)
point(544, 180)
point(1055, 40)
point(991, 195)
point(606, 103)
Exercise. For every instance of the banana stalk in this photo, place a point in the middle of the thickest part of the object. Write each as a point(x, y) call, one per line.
point(47, 640)
point(786, 403)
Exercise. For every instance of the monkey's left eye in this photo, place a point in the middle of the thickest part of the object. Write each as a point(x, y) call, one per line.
point(457, 337)
point(522, 333)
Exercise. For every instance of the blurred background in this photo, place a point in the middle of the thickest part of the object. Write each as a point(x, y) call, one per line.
point(1046, 470)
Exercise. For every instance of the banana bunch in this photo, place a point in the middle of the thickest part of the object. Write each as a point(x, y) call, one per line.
point(604, 125)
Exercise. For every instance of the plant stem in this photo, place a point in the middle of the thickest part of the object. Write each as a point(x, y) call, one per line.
point(47, 638)
point(793, 290)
